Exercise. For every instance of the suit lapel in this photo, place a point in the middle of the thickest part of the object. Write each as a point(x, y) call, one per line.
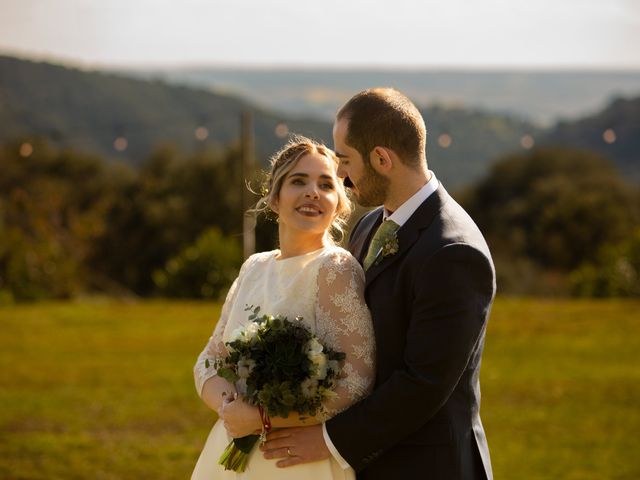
point(408, 234)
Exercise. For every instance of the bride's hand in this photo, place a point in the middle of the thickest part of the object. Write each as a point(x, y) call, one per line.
point(240, 419)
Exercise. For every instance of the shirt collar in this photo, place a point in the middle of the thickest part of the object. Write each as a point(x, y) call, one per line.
point(404, 211)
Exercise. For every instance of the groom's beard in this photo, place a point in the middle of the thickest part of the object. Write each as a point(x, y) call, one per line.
point(371, 190)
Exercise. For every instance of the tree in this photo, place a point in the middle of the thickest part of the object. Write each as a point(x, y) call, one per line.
point(552, 207)
point(51, 207)
point(169, 203)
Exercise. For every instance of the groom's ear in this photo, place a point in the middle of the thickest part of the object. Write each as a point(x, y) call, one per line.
point(381, 160)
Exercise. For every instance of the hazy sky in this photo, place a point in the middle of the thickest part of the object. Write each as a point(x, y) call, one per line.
point(413, 33)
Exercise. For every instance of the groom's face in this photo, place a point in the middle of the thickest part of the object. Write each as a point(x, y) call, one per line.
point(369, 187)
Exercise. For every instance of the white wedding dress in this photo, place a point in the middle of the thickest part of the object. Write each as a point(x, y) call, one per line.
point(326, 288)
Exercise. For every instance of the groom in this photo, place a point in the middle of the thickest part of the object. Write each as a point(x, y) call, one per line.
point(430, 282)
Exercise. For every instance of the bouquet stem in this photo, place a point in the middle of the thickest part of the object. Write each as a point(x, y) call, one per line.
point(236, 455)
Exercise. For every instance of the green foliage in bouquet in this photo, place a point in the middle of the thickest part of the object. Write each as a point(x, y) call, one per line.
point(280, 365)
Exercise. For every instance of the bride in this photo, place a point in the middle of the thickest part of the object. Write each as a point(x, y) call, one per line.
point(310, 277)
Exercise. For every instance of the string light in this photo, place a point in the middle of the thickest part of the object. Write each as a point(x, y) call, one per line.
point(201, 133)
point(609, 136)
point(26, 150)
point(282, 130)
point(120, 144)
point(445, 140)
point(527, 142)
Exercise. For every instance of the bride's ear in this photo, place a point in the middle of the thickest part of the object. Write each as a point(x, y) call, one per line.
point(274, 206)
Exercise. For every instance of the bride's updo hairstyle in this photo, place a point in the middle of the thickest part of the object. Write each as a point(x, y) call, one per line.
point(284, 161)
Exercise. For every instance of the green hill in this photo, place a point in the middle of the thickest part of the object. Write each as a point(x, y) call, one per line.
point(89, 110)
point(476, 139)
point(613, 132)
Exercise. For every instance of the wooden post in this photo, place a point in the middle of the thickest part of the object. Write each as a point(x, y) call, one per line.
point(248, 224)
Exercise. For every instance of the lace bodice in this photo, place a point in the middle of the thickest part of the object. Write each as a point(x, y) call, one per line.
point(326, 288)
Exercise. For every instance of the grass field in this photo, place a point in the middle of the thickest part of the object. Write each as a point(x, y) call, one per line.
point(104, 390)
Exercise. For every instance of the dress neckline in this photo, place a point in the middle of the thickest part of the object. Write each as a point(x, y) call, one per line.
point(303, 255)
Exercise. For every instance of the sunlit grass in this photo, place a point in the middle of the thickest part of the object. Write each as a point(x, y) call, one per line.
point(104, 390)
point(561, 385)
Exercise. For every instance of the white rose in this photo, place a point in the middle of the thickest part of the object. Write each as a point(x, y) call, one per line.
point(237, 334)
point(320, 362)
point(251, 331)
point(245, 367)
point(309, 387)
point(313, 346)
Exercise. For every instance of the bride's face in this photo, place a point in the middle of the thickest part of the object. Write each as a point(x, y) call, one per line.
point(308, 198)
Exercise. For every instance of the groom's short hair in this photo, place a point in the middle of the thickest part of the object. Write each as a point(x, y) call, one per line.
point(385, 117)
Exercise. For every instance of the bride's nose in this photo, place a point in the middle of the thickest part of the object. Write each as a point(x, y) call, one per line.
point(312, 192)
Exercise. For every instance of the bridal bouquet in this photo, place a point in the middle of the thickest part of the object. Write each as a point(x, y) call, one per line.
point(280, 366)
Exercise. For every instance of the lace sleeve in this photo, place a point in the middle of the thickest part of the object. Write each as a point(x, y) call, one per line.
point(344, 322)
point(215, 347)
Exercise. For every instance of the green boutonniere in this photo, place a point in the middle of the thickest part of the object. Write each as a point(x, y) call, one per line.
point(390, 247)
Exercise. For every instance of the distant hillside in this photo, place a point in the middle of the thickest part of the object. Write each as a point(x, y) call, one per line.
point(89, 110)
point(614, 132)
point(461, 144)
point(541, 96)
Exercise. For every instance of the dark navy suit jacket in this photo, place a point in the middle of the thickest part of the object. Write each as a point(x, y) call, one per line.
point(430, 303)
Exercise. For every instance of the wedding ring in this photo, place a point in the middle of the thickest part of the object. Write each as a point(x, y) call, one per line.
point(289, 453)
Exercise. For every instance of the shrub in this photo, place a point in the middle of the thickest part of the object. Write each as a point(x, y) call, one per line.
point(616, 272)
point(202, 270)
